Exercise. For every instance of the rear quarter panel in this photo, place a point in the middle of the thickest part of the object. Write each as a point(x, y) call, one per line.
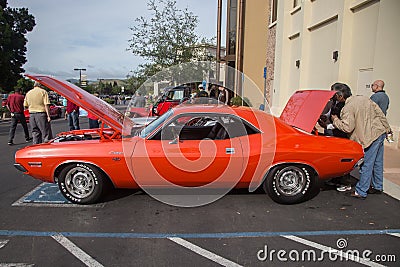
point(329, 156)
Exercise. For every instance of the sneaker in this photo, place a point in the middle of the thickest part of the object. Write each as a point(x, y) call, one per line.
point(344, 188)
point(28, 139)
point(10, 143)
point(374, 191)
point(356, 195)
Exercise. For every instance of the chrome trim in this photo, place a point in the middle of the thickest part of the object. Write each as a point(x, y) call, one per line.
point(20, 167)
point(230, 150)
point(35, 164)
point(346, 160)
point(203, 113)
point(358, 164)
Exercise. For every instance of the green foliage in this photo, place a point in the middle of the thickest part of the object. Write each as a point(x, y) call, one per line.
point(167, 37)
point(109, 100)
point(24, 84)
point(14, 24)
point(237, 101)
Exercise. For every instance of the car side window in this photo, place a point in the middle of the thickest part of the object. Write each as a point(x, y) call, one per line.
point(204, 127)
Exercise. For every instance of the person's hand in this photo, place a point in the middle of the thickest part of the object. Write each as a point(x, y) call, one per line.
point(323, 120)
point(334, 117)
point(48, 118)
point(322, 123)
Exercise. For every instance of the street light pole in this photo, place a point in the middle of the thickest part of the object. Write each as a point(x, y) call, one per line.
point(80, 75)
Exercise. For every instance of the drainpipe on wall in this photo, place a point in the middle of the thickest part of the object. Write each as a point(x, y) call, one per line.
point(240, 41)
point(219, 17)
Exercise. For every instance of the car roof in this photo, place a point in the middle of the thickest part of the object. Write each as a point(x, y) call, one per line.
point(252, 115)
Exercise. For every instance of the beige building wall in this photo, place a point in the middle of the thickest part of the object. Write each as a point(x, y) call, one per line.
point(365, 35)
point(254, 47)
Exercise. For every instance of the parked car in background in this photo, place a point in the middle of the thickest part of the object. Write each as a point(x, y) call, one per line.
point(171, 97)
point(247, 147)
point(4, 99)
point(55, 112)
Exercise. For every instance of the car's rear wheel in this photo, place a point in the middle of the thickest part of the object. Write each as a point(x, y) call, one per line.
point(290, 184)
point(81, 183)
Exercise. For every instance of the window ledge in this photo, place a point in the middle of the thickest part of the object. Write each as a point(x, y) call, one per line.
point(294, 10)
point(323, 22)
point(294, 35)
point(360, 4)
point(272, 24)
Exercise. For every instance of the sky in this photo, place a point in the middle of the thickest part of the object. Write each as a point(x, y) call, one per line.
point(94, 34)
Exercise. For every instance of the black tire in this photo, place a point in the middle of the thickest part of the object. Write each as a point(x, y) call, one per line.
point(82, 183)
point(290, 184)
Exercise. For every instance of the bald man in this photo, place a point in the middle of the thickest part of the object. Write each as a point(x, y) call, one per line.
point(380, 97)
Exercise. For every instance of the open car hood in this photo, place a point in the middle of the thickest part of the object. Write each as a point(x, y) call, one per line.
point(305, 107)
point(107, 113)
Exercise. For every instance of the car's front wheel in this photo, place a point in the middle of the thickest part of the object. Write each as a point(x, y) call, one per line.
point(290, 184)
point(81, 183)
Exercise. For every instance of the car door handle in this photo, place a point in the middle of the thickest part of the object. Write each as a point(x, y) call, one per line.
point(229, 150)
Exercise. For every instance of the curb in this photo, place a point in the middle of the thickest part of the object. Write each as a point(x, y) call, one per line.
point(391, 189)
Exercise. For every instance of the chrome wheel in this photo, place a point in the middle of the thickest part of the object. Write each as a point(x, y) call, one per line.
point(80, 182)
point(289, 184)
point(290, 181)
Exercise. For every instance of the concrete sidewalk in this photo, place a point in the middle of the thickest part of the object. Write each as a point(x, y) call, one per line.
point(391, 172)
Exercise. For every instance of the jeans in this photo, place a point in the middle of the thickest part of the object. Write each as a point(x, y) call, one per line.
point(15, 118)
point(93, 124)
point(371, 171)
point(73, 119)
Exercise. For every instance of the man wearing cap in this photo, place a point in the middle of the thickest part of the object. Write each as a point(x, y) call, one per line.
point(37, 101)
point(202, 92)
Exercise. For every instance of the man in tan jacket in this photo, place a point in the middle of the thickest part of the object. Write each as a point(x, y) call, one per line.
point(366, 124)
point(37, 101)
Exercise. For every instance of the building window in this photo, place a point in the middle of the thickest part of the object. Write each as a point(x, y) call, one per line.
point(232, 25)
point(274, 11)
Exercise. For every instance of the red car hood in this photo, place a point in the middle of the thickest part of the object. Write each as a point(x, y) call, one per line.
point(83, 99)
point(305, 107)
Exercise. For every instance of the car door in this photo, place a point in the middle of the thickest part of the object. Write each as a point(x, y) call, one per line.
point(189, 151)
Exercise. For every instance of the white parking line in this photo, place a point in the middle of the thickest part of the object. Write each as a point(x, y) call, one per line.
point(342, 254)
point(16, 265)
point(3, 243)
point(202, 252)
point(76, 251)
point(395, 234)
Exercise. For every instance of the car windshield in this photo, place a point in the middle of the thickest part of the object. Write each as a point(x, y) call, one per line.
point(154, 124)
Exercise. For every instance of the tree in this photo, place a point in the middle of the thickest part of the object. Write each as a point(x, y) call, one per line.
point(14, 24)
point(166, 38)
point(24, 84)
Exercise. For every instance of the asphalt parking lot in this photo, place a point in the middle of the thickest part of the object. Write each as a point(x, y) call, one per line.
point(241, 229)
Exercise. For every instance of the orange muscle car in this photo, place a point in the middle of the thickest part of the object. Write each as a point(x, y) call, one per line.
point(192, 146)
